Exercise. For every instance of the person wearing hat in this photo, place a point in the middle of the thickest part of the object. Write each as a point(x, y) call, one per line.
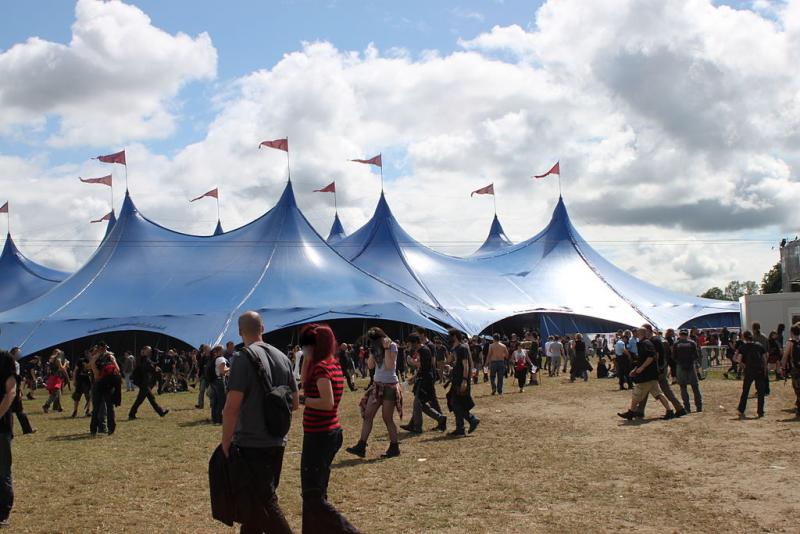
point(686, 354)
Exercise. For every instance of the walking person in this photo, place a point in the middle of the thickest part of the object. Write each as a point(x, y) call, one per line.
point(791, 362)
point(202, 362)
point(555, 353)
point(8, 392)
point(16, 406)
point(128, 365)
point(645, 378)
point(663, 379)
point(580, 363)
point(622, 363)
point(81, 387)
point(215, 376)
point(383, 394)
point(143, 375)
point(521, 365)
point(687, 356)
point(346, 364)
point(424, 388)
point(459, 396)
point(55, 382)
point(496, 360)
point(245, 433)
point(754, 360)
point(322, 433)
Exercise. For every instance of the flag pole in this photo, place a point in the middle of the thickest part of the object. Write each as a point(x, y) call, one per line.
point(126, 176)
point(217, 205)
point(112, 193)
point(381, 168)
point(288, 168)
point(335, 207)
point(494, 199)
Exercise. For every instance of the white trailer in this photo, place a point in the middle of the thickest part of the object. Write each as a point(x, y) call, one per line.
point(770, 310)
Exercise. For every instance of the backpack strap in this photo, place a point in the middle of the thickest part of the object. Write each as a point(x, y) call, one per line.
point(258, 365)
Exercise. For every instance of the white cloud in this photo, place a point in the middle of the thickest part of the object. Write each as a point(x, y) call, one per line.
point(677, 123)
point(113, 83)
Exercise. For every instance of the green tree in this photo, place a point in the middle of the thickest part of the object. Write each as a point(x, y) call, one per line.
point(772, 280)
point(714, 293)
point(736, 289)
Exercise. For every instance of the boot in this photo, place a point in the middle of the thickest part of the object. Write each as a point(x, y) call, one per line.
point(442, 424)
point(392, 451)
point(359, 449)
point(669, 415)
point(411, 428)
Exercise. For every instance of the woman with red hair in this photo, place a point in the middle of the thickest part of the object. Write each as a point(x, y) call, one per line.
point(323, 384)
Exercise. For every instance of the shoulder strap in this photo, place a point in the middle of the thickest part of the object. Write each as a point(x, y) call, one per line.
point(258, 365)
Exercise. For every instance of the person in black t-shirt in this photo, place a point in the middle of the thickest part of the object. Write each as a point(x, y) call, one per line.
point(645, 378)
point(8, 392)
point(424, 388)
point(459, 397)
point(754, 360)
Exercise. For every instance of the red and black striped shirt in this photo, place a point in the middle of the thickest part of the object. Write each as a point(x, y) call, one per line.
point(324, 420)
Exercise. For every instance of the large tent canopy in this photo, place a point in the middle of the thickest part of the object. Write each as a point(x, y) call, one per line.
point(496, 240)
point(21, 279)
point(555, 272)
point(147, 277)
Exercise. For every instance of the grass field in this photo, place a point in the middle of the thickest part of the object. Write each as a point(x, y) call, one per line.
point(553, 459)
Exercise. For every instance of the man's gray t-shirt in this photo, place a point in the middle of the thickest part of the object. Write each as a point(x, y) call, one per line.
point(251, 429)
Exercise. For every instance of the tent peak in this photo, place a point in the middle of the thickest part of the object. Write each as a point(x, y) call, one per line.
point(287, 199)
point(218, 230)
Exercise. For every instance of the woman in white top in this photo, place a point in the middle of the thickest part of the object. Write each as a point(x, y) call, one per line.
point(385, 393)
point(521, 362)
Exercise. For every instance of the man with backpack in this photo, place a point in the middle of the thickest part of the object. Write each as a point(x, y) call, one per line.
point(791, 362)
point(262, 393)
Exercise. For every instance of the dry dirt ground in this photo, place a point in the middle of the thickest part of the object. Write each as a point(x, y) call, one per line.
point(555, 458)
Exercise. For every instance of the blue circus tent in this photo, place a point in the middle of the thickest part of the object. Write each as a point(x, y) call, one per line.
point(337, 231)
point(555, 274)
point(496, 240)
point(21, 279)
point(566, 268)
point(147, 277)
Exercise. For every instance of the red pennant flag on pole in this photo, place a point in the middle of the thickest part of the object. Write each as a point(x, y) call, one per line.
point(213, 193)
point(106, 217)
point(372, 161)
point(119, 157)
point(105, 180)
point(330, 188)
point(488, 190)
point(280, 144)
point(4, 208)
point(555, 170)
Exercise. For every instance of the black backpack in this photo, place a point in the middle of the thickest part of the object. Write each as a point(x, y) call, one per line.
point(278, 400)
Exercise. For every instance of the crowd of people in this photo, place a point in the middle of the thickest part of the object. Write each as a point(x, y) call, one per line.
point(253, 388)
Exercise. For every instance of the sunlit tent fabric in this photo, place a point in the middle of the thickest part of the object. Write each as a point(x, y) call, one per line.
point(21, 279)
point(146, 277)
point(556, 272)
point(561, 260)
point(337, 231)
point(496, 240)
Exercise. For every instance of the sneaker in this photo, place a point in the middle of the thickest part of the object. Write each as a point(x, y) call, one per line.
point(760, 415)
point(473, 425)
point(699, 409)
point(411, 428)
point(457, 433)
point(5, 523)
point(442, 426)
point(45, 408)
point(669, 415)
point(681, 412)
point(165, 412)
point(629, 415)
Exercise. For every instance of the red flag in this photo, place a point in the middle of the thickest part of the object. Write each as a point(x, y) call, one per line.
point(488, 190)
point(280, 144)
point(330, 188)
point(372, 161)
point(105, 180)
point(4, 208)
point(555, 170)
point(213, 193)
point(119, 157)
point(106, 217)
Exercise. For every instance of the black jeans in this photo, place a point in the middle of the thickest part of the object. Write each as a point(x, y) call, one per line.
point(319, 449)
point(264, 514)
point(461, 415)
point(102, 408)
point(761, 386)
point(22, 417)
point(623, 368)
point(6, 486)
point(144, 393)
point(217, 400)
